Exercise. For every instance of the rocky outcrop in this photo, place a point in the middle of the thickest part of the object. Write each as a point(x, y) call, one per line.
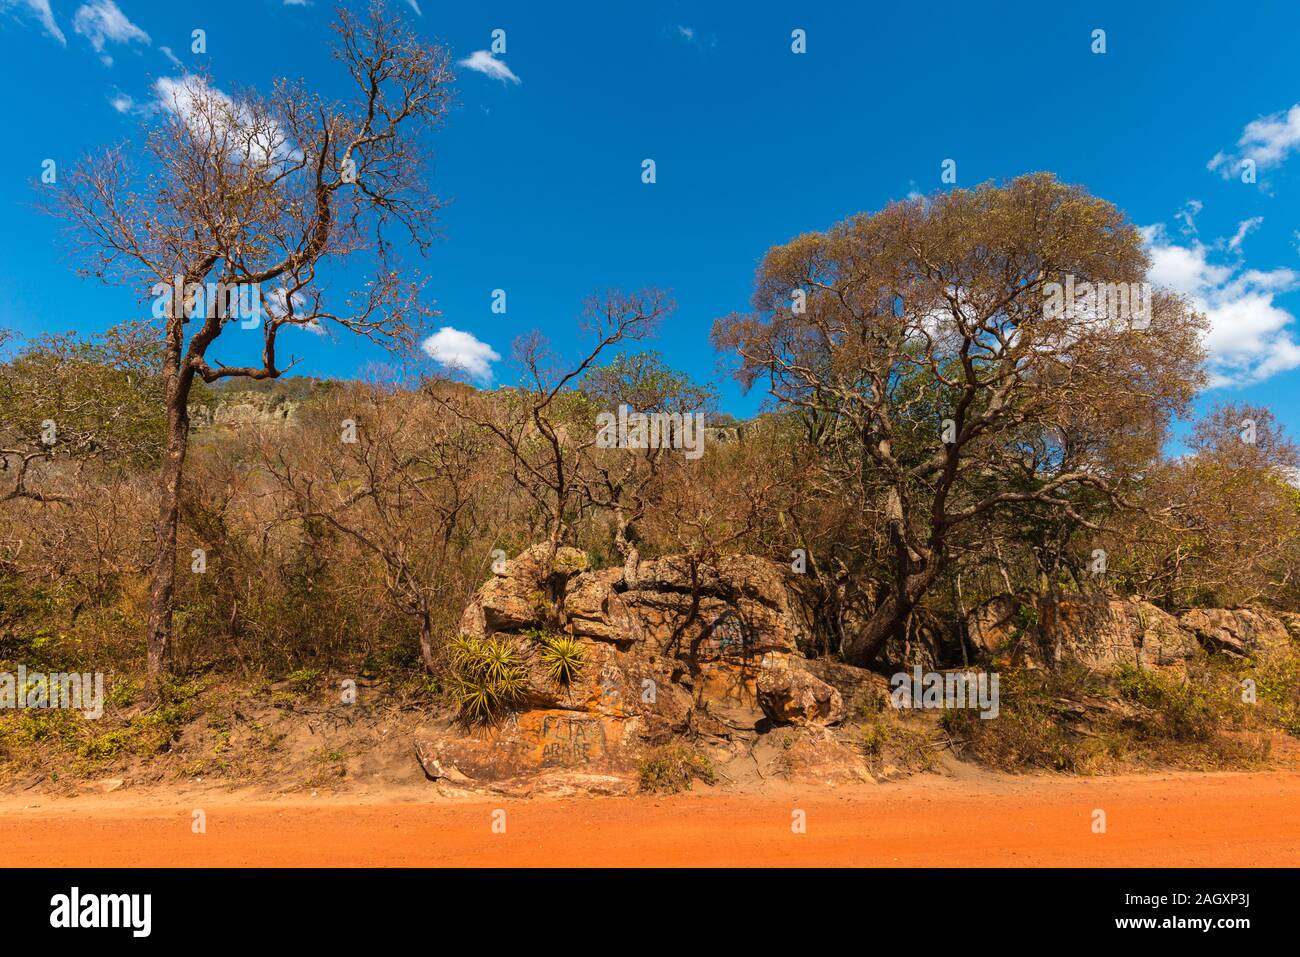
point(230, 407)
point(670, 647)
point(1238, 632)
point(993, 627)
point(721, 656)
point(1102, 632)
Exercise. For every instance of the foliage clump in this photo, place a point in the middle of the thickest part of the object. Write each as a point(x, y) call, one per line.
point(488, 677)
point(674, 768)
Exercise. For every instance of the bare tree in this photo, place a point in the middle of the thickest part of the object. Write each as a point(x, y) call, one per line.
point(251, 191)
point(407, 492)
point(544, 435)
point(627, 482)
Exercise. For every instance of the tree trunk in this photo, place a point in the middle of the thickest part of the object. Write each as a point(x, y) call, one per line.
point(426, 641)
point(162, 585)
point(914, 573)
point(891, 615)
point(627, 547)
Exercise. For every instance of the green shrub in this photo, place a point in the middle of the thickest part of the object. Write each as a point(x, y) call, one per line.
point(305, 680)
point(487, 677)
point(674, 768)
point(1186, 711)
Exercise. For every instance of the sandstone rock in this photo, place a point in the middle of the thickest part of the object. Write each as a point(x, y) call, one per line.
point(812, 754)
point(595, 609)
point(992, 627)
point(1291, 622)
point(1239, 632)
point(745, 605)
point(789, 694)
point(426, 752)
point(670, 647)
point(534, 741)
point(1099, 631)
point(518, 596)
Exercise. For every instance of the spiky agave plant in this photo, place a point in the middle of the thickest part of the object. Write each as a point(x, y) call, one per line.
point(498, 658)
point(476, 699)
point(562, 655)
point(487, 677)
point(463, 650)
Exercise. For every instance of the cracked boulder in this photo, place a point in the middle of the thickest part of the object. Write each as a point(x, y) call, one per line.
point(789, 694)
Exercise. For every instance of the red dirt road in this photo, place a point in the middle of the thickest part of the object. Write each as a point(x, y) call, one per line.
point(1173, 820)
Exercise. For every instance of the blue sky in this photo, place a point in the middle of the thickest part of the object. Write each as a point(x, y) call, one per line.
point(753, 144)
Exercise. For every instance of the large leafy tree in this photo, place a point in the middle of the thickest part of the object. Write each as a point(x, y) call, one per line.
point(70, 400)
point(943, 384)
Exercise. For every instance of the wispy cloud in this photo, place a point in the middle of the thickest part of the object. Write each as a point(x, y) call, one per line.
point(692, 37)
point(1251, 338)
point(172, 57)
point(1268, 141)
point(1187, 216)
point(1244, 229)
point(207, 111)
point(459, 351)
point(40, 9)
point(102, 22)
point(122, 102)
point(416, 7)
point(481, 61)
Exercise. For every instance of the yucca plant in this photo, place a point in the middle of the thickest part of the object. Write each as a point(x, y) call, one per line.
point(463, 649)
point(498, 658)
point(476, 699)
point(562, 655)
point(487, 677)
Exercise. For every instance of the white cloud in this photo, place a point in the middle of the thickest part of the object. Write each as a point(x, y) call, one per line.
point(1268, 141)
point(276, 303)
point(483, 62)
point(416, 7)
point(460, 351)
point(687, 32)
point(40, 9)
point(122, 102)
point(1244, 229)
point(102, 22)
point(1187, 216)
point(1250, 338)
point(175, 60)
point(182, 95)
point(207, 111)
point(296, 3)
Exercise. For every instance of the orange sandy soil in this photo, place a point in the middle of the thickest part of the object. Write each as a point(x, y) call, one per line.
point(1169, 819)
